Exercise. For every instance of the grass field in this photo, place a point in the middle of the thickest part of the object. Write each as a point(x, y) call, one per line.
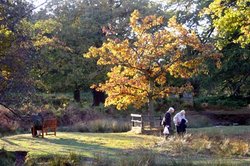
point(130, 148)
point(223, 131)
point(86, 144)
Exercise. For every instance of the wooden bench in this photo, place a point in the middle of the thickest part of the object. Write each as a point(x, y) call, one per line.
point(146, 124)
point(48, 124)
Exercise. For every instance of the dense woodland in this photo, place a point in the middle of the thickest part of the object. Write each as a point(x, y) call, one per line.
point(65, 46)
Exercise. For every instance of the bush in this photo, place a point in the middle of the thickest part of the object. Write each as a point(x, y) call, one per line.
point(229, 102)
point(6, 158)
point(58, 160)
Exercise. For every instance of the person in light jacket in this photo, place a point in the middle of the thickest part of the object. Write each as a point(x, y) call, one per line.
point(180, 122)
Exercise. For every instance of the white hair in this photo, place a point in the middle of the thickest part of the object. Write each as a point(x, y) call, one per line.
point(171, 109)
point(182, 112)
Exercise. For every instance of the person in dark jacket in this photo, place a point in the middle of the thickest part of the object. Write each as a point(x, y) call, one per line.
point(167, 120)
point(183, 126)
point(37, 121)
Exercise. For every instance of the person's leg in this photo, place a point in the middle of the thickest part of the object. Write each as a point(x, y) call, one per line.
point(35, 131)
point(184, 130)
point(178, 129)
point(171, 131)
point(39, 128)
point(181, 130)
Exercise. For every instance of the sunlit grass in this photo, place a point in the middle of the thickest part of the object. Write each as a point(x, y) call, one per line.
point(86, 144)
point(128, 148)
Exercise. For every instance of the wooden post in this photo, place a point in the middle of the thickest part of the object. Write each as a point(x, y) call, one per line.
point(33, 131)
point(142, 124)
point(42, 132)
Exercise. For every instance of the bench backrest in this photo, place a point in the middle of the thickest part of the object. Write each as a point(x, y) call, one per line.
point(51, 123)
point(153, 121)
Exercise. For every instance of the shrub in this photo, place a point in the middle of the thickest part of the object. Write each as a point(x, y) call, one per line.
point(72, 159)
point(6, 158)
point(228, 102)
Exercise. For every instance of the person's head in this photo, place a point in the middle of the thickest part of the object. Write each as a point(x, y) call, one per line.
point(182, 112)
point(171, 110)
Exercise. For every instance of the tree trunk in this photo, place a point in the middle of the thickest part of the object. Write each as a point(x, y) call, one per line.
point(196, 87)
point(98, 97)
point(77, 94)
point(151, 102)
point(150, 98)
point(150, 107)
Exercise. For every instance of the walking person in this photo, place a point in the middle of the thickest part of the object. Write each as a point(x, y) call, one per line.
point(180, 122)
point(166, 122)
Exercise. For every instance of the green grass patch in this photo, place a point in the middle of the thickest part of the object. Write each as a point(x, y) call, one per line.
point(221, 130)
point(86, 144)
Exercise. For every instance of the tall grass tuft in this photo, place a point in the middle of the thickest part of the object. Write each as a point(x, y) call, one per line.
point(142, 156)
point(229, 147)
point(206, 145)
point(103, 126)
point(103, 160)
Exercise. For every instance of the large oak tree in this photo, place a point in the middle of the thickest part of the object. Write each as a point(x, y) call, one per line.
point(142, 62)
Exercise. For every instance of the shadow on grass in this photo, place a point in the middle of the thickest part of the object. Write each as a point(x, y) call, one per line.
point(9, 142)
point(65, 146)
point(119, 136)
point(74, 144)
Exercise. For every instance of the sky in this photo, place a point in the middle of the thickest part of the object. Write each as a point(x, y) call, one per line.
point(39, 2)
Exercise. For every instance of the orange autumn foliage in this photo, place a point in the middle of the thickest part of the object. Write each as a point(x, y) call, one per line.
point(140, 65)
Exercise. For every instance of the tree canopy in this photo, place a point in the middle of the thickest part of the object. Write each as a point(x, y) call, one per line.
point(159, 50)
point(141, 63)
point(231, 20)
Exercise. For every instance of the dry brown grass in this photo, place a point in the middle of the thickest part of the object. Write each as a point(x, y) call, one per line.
point(201, 144)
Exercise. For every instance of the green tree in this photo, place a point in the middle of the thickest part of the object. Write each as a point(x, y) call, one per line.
point(231, 22)
point(15, 53)
point(81, 25)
